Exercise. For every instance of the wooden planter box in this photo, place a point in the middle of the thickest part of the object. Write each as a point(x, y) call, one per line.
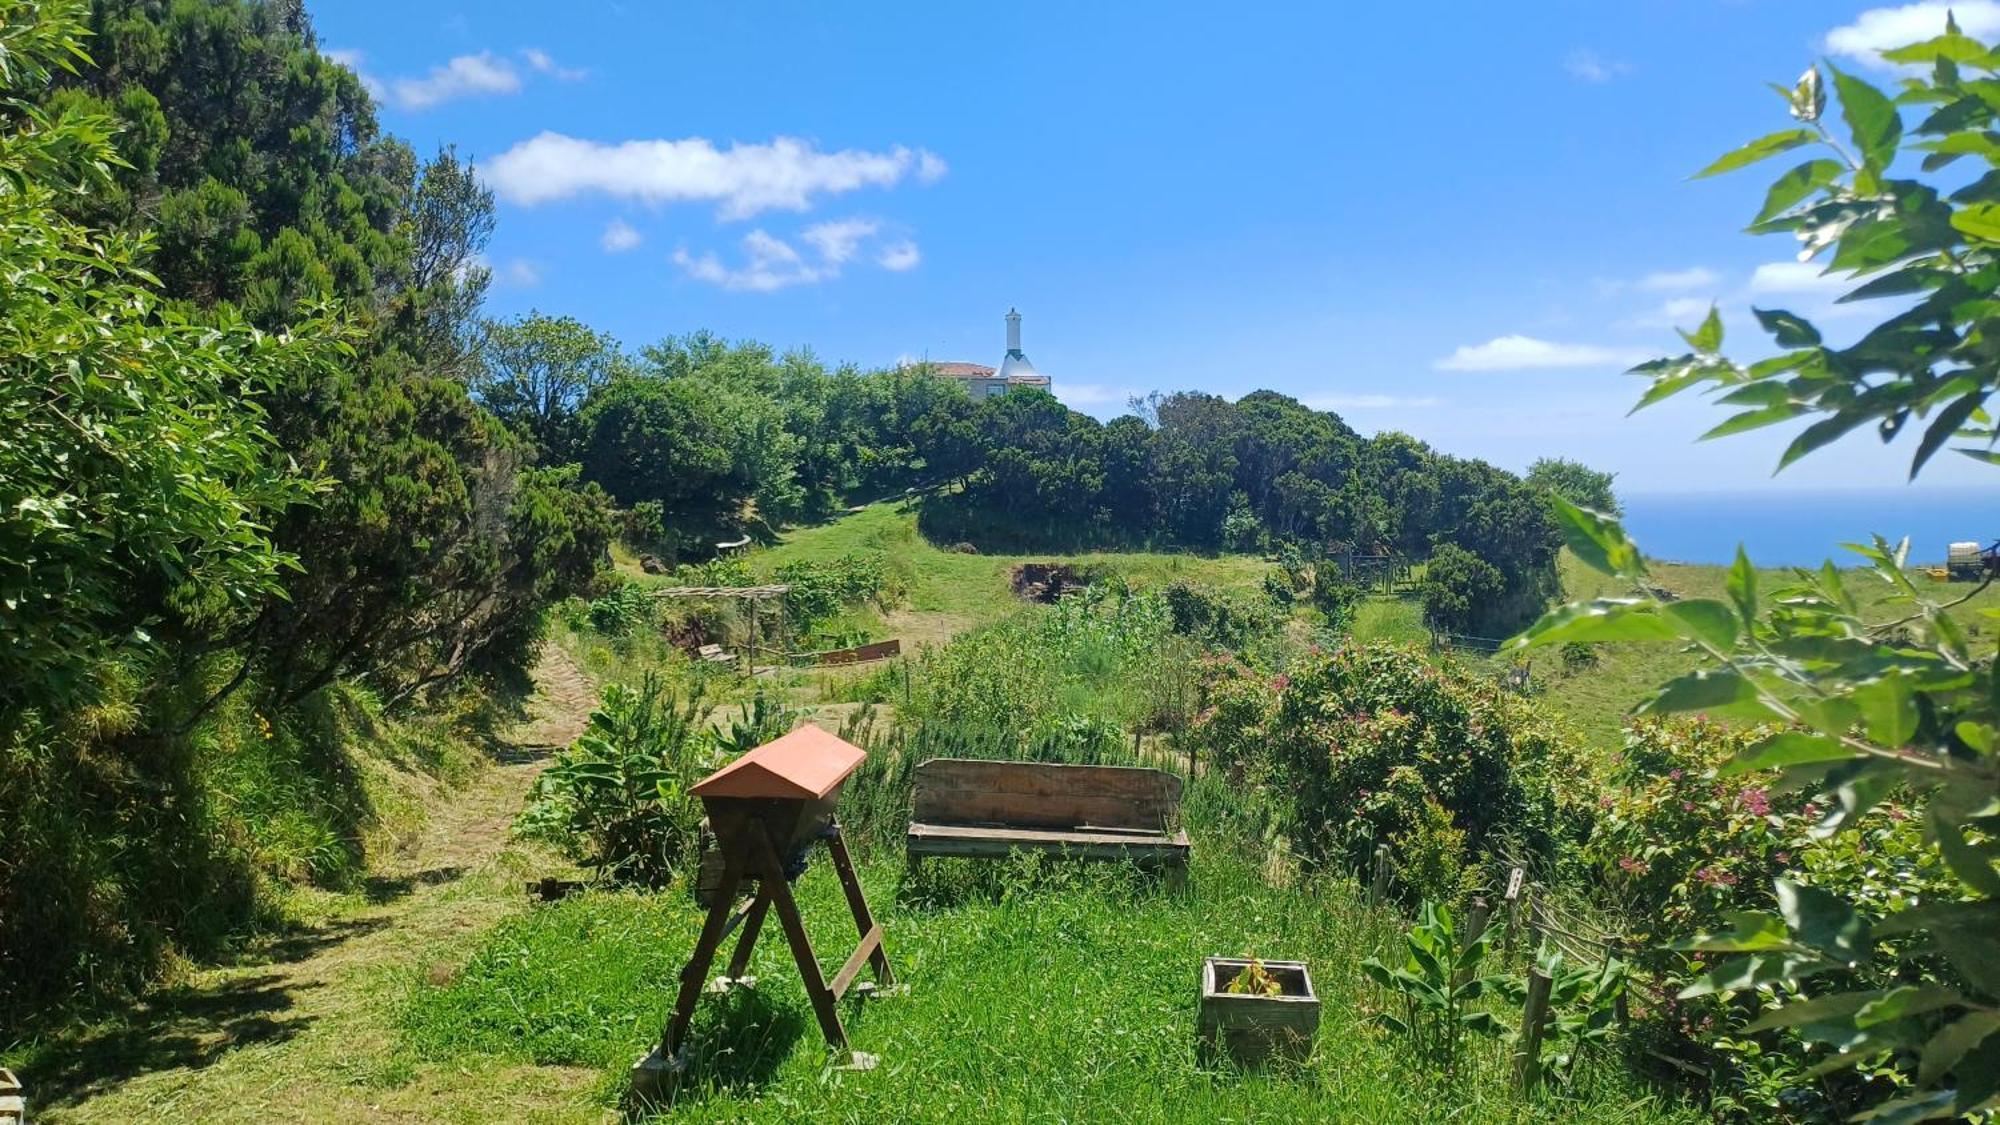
point(1253, 1029)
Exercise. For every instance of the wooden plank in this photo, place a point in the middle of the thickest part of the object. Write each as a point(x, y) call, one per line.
point(960, 840)
point(870, 942)
point(1045, 795)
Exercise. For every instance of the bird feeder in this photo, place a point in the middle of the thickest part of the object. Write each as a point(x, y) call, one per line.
point(765, 808)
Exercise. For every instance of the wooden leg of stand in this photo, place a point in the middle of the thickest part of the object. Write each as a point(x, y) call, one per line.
point(858, 904)
point(802, 951)
point(753, 922)
point(696, 972)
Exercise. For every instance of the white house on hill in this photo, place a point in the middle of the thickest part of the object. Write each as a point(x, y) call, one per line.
point(1014, 371)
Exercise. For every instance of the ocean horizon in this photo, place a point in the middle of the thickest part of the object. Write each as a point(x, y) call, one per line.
point(1805, 528)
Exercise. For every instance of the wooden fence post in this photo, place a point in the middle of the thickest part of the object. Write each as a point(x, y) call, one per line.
point(1534, 1021)
point(1475, 928)
point(1513, 900)
point(1378, 885)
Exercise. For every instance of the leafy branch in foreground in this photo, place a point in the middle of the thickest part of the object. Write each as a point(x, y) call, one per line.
point(1859, 710)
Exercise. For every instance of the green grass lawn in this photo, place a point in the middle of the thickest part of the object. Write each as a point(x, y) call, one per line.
point(1070, 996)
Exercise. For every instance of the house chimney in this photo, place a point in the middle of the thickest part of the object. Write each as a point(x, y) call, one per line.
point(1013, 332)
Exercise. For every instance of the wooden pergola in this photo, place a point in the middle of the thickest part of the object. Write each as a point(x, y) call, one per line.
point(749, 597)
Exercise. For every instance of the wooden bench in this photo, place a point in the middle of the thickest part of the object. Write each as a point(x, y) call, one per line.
point(964, 807)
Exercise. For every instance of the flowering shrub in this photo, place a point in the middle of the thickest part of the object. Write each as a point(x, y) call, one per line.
point(1376, 743)
point(1680, 847)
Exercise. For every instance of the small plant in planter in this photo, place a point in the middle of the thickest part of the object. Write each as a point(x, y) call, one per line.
point(1253, 1010)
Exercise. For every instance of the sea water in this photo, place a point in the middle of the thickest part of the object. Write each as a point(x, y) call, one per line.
point(1799, 528)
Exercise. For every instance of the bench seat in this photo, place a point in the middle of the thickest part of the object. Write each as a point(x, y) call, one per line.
point(1081, 843)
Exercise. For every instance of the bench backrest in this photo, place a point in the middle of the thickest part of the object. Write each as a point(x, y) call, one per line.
point(1045, 795)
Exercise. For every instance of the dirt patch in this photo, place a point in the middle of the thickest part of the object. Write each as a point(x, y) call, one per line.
point(1048, 582)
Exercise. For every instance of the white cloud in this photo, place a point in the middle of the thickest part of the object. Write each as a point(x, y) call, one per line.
point(543, 64)
point(521, 272)
point(836, 241)
point(744, 179)
point(930, 166)
point(1798, 277)
point(1587, 65)
point(773, 264)
point(1882, 29)
point(620, 237)
point(1366, 402)
point(467, 76)
point(1525, 353)
point(1675, 312)
point(899, 256)
point(345, 56)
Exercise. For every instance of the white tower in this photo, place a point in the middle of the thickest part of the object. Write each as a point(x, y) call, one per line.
point(1016, 364)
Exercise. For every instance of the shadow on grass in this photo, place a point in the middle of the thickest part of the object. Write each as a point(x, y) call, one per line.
point(737, 1043)
point(381, 889)
point(181, 1029)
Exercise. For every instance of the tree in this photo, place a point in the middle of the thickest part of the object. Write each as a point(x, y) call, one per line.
point(1458, 586)
point(1861, 708)
point(138, 477)
point(1575, 482)
point(535, 374)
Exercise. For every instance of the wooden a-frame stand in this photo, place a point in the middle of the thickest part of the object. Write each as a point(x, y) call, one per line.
point(746, 842)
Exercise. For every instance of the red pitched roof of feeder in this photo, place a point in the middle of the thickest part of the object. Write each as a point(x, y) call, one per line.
point(806, 764)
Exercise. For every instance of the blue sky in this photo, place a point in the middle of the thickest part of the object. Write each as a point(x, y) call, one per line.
point(1457, 220)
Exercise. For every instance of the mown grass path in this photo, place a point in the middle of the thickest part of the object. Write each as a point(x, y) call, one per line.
point(303, 1027)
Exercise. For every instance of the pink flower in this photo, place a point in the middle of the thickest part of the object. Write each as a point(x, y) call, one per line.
point(1687, 806)
point(1756, 801)
point(1674, 774)
point(1281, 682)
point(1606, 801)
point(1783, 857)
point(1633, 866)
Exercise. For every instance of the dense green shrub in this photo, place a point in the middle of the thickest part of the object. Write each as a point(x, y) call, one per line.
point(1377, 744)
point(1681, 846)
point(618, 797)
point(1460, 590)
point(821, 590)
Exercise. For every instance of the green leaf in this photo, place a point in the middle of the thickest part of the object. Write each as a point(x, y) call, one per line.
point(1822, 921)
point(1819, 434)
point(1788, 330)
point(1742, 586)
point(1967, 861)
point(1706, 620)
point(1755, 419)
point(1787, 748)
point(1957, 48)
point(1752, 931)
point(1888, 709)
point(1597, 540)
point(1706, 339)
point(1696, 691)
point(1871, 120)
point(1908, 1000)
point(1948, 1046)
point(1596, 622)
point(1797, 184)
point(1947, 423)
point(1767, 146)
point(1816, 1010)
point(1978, 220)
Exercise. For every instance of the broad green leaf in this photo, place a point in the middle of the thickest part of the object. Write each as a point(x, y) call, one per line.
point(1871, 120)
point(1978, 220)
point(1738, 973)
point(1596, 622)
point(1888, 709)
point(1702, 690)
point(1755, 419)
point(1705, 620)
point(1789, 330)
point(1706, 339)
point(1947, 423)
point(1788, 748)
point(1742, 586)
point(1797, 184)
point(1751, 931)
point(1767, 146)
point(1951, 1044)
point(1822, 921)
point(1967, 861)
point(1813, 1011)
point(1819, 434)
point(1598, 540)
point(1908, 1000)
point(1957, 48)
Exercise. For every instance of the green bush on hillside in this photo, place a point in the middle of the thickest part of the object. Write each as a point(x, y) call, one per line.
point(1377, 744)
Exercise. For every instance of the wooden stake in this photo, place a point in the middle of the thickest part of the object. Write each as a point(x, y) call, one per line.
point(1378, 886)
point(1534, 1021)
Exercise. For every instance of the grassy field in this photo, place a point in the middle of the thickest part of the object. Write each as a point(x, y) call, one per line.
point(1069, 996)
